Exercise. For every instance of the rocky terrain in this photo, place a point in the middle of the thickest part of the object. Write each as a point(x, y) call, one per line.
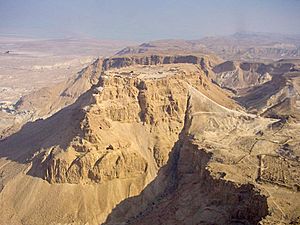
point(238, 75)
point(226, 146)
point(278, 97)
point(93, 132)
point(163, 135)
point(156, 132)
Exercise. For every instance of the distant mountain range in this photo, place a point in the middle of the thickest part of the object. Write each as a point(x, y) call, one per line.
point(239, 46)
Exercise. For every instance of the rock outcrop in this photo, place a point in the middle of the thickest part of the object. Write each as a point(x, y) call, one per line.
point(277, 98)
point(204, 183)
point(235, 76)
point(270, 90)
point(156, 106)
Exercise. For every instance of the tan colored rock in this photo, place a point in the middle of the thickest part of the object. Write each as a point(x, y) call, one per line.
point(157, 144)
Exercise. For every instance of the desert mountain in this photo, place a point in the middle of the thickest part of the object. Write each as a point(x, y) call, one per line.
point(112, 140)
point(165, 47)
point(48, 100)
point(245, 46)
point(249, 46)
point(238, 75)
point(232, 75)
point(278, 97)
point(154, 137)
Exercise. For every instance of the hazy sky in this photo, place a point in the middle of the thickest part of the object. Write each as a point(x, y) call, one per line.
point(146, 19)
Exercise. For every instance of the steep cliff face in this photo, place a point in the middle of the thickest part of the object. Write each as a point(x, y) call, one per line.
point(214, 173)
point(235, 75)
point(278, 98)
point(197, 197)
point(270, 90)
point(156, 107)
point(190, 189)
point(46, 101)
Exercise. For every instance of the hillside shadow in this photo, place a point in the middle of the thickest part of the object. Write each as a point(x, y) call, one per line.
point(164, 184)
point(184, 185)
point(258, 96)
point(56, 131)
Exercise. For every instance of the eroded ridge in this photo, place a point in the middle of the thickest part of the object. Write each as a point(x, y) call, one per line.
point(190, 191)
